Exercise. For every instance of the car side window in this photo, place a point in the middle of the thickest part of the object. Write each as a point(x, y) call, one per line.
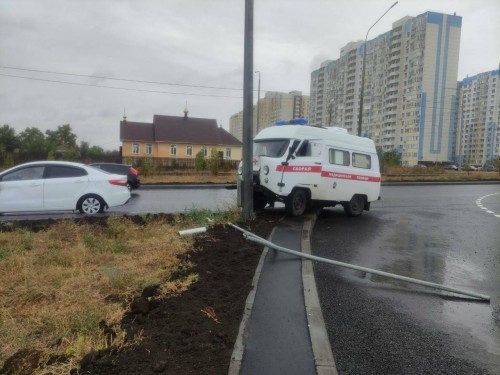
point(25, 174)
point(118, 169)
point(60, 171)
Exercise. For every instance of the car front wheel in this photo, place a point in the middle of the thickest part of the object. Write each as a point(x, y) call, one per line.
point(91, 204)
point(297, 202)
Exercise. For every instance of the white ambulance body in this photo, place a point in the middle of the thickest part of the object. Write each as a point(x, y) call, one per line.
point(306, 166)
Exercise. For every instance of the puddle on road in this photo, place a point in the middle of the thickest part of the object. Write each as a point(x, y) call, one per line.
point(439, 258)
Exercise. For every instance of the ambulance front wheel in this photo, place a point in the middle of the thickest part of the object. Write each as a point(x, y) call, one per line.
point(355, 206)
point(297, 202)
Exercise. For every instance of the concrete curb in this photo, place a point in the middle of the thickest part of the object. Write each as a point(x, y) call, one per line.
point(239, 345)
point(323, 356)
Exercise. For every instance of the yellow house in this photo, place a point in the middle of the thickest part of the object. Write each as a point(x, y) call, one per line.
point(170, 140)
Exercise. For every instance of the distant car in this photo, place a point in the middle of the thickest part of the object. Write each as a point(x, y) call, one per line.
point(490, 168)
point(123, 169)
point(452, 167)
point(471, 168)
point(60, 186)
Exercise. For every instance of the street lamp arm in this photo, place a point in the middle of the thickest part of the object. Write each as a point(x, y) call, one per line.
point(392, 6)
point(360, 115)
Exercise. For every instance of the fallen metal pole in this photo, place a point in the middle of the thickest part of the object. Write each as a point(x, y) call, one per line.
point(188, 232)
point(252, 237)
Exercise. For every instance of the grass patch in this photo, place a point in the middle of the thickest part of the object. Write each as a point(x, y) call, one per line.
point(61, 285)
point(435, 174)
point(191, 178)
point(390, 174)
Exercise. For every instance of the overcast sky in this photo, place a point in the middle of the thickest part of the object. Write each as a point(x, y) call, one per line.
point(186, 43)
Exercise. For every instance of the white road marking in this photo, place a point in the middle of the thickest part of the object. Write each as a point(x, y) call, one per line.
point(479, 203)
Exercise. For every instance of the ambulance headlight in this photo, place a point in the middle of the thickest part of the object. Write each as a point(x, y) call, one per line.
point(265, 170)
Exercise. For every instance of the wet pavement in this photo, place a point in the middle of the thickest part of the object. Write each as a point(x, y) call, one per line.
point(154, 199)
point(443, 234)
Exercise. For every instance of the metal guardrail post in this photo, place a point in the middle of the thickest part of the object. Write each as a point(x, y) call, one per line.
point(254, 238)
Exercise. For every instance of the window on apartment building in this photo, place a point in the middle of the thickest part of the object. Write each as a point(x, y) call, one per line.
point(189, 150)
point(173, 150)
point(149, 149)
point(204, 149)
point(228, 152)
point(135, 148)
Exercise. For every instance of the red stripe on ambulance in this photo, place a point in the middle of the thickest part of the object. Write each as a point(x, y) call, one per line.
point(299, 168)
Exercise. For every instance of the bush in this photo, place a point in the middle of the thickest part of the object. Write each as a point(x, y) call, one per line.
point(214, 162)
point(200, 163)
point(147, 167)
point(8, 162)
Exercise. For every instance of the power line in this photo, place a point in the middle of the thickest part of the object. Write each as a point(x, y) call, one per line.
point(121, 79)
point(121, 88)
point(125, 80)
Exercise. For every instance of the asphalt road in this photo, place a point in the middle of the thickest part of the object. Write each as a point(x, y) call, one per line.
point(168, 200)
point(443, 234)
point(158, 199)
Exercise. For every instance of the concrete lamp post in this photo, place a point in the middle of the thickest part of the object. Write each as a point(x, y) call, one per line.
point(258, 105)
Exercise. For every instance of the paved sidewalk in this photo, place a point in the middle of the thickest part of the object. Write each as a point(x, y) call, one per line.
point(280, 327)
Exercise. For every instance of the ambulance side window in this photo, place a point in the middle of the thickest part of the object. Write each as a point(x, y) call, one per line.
point(361, 161)
point(339, 157)
point(304, 150)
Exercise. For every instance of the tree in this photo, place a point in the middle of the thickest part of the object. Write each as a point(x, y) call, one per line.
point(8, 139)
point(32, 141)
point(96, 152)
point(84, 149)
point(63, 143)
point(388, 159)
point(62, 137)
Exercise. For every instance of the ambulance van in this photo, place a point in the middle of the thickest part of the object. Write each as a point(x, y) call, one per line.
point(305, 166)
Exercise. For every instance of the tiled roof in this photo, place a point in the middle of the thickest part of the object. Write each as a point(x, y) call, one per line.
point(176, 129)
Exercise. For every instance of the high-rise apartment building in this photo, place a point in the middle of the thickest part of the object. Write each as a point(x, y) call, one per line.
point(409, 94)
point(478, 120)
point(236, 125)
point(275, 106)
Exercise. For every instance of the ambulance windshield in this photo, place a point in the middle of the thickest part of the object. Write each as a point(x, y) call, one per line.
point(274, 148)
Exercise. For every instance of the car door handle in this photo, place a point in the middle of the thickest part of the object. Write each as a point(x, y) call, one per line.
point(317, 162)
point(35, 184)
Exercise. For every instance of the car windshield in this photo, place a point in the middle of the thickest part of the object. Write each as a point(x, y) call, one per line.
point(273, 148)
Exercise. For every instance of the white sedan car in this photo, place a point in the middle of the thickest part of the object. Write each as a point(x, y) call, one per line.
point(60, 185)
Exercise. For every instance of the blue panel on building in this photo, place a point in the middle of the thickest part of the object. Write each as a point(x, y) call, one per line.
point(435, 18)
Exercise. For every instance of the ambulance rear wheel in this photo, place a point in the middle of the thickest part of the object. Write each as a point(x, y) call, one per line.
point(297, 202)
point(355, 206)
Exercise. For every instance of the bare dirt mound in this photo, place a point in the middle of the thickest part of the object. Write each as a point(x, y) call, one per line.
point(192, 333)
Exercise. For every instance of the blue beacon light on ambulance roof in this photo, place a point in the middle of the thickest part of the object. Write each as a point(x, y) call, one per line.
point(295, 121)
